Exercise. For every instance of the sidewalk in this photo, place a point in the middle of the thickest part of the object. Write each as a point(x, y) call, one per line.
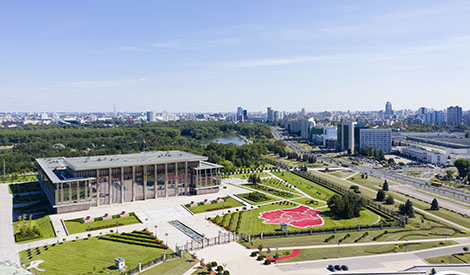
point(7, 240)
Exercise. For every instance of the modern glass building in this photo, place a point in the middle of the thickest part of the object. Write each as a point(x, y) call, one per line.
point(75, 184)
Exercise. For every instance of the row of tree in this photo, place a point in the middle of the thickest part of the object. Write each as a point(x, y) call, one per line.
point(72, 141)
point(463, 167)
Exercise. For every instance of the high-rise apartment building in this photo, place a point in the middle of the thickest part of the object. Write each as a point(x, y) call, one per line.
point(346, 136)
point(454, 115)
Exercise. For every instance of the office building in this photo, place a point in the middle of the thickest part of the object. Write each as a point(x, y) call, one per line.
point(346, 136)
point(306, 124)
point(269, 114)
point(388, 108)
point(454, 115)
point(75, 184)
point(376, 138)
point(466, 119)
point(151, 116)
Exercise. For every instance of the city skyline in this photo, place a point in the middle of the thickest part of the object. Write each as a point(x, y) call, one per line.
point(216, 56)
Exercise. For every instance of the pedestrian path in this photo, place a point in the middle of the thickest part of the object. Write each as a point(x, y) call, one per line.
point(7, 241)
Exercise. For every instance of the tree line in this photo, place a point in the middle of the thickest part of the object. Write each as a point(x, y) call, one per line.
point(32, 142)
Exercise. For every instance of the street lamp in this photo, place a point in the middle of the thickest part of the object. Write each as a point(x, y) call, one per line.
point(338, 248)
point(166, 235)
point(155, 230)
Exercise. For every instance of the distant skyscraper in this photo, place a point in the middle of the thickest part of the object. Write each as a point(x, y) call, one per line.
point(454, 115)
point(302, 112)
point(270, 114)
point(245, 115)
point(306, 124)
point(466, 119)
point(388, 108)
point(151, 116)
point(240, 117)
point(276, 116)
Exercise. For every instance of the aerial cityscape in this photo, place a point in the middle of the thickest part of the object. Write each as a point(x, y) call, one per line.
point(245, 137)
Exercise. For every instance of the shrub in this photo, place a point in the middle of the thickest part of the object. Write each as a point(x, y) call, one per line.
point(260, 258)
point(89, 235)
point(267, 262)
point(253, 254)
point(214, 264)
point(329, 238)
point(98, 219)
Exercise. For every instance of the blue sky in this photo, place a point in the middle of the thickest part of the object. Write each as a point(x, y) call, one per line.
point(217, 55)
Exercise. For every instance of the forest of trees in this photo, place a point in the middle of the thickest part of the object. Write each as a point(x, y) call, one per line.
point(71, 141)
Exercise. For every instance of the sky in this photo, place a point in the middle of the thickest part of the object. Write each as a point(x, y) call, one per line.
point(212, 55)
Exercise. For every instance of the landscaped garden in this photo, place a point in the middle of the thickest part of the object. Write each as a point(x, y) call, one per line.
point(299, 255)
point(93, 255)
point(178, 266)
point(312, 189)
point(27, 230)
point(247, 175)
point(271, 190)
point(256, 197)
point(207, 206)
point(456, 258)
point(81, 225)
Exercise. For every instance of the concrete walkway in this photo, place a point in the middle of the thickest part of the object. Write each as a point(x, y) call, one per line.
point(7, 240)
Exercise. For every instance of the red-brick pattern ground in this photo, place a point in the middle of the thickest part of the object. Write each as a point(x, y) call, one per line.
point(300, 217)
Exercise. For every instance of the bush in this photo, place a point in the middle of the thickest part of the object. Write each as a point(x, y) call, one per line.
point(89, 235)
point(260, 258)
point(267, 262)
point(329, 238)
point(253, 254)
point(98, 219)
point(214, 264)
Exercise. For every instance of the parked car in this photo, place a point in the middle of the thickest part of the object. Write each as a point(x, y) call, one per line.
point(344, 267)
point(337, 267)
point(331, 268)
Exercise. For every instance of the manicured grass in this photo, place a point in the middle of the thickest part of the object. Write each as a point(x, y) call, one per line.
point(252, 224)
point(228, 203)
point(366, 218)
point(18, 178)
point(310, 202)
point(74, 227)
point(44, 225)
point(458, 258)
point(173, 267)
point(271, 190)
point(278, 184)
point(84, 256)
point(245, 197)
point(373, 183)
point(314, 190)
point(329, 253)
point(341, 174)
point(246, 175)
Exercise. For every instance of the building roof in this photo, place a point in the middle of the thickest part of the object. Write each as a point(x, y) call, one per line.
point(114, 161)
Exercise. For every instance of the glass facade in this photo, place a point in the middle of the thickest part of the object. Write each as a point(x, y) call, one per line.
point(126, 184)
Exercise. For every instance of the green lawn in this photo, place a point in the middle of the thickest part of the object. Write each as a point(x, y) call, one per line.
point(271, 190)
point(45, 227)
point(314, 190)
point(228, 203)
point(173, 267)
point(332, 252)
point(245, 197)
point(341, 174)
point(458, 258)
point(373, 183)
point(246, 175)
point(252, 224)
point(84, 256)
point(278, 184)
point(309, 202)
point(74, 227)
point(18, 178)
